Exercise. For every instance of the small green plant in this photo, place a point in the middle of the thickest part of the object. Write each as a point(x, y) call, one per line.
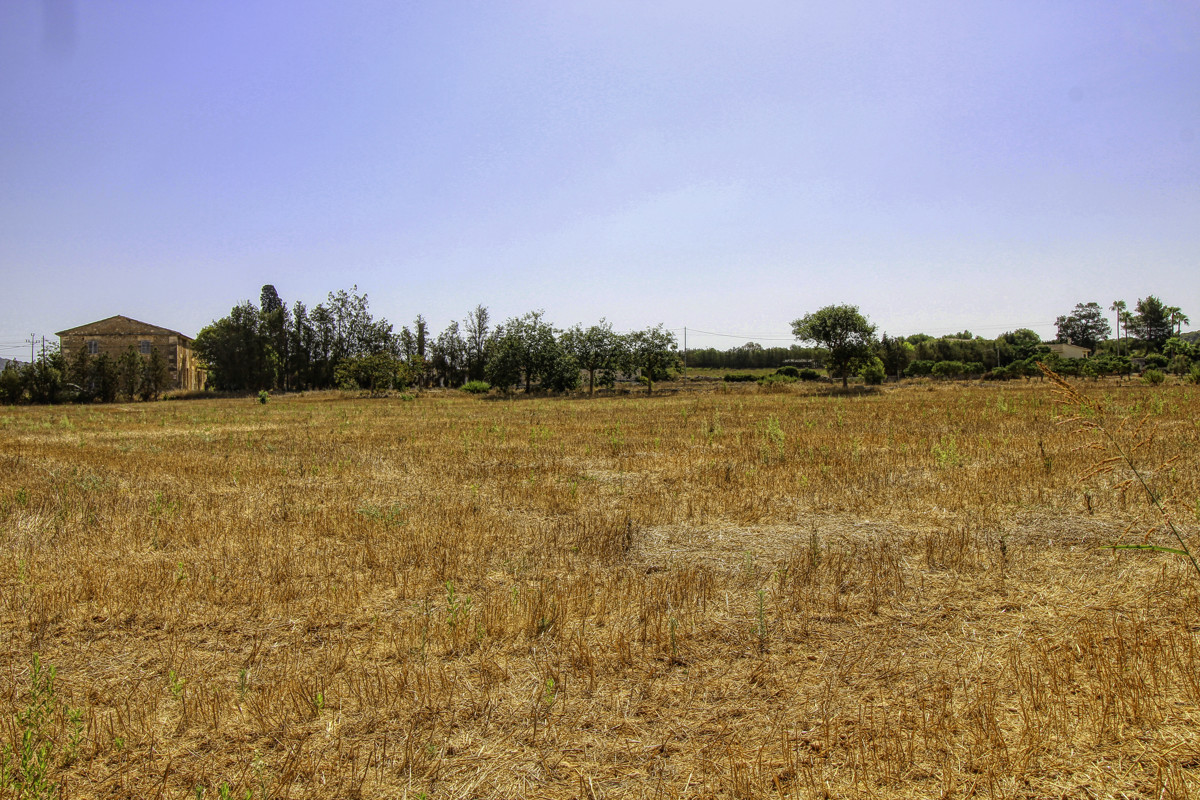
point(476, 387)
point(263, 397)
point(75, 738)
point(945, 452)
point(1153, 377)
point(774, 434)
point(762, 620)
point(28, 770)
point(175, 683)
point(456, 607)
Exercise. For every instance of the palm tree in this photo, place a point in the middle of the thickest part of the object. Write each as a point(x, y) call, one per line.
point(1178, 319)
point(1118, 306)
point(1126, 318)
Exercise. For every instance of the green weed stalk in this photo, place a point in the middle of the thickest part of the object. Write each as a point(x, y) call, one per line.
point(1089, 416)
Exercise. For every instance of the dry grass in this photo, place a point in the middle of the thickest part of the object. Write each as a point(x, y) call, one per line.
point(728, 594)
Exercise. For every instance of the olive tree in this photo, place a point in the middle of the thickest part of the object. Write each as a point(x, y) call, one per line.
point(845, 333)
point(596, 349)
point(653, 352)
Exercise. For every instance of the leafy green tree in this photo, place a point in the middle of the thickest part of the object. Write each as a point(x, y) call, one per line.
point(82, 374)
point(274, 328)
point(448, 357)
point(377, 372)
point(1152, 324)
point(1018, 345)
point(845, 333)
point(653, 352)
point(503, 366)
point(12, 384)
point(532, 342)
point(106, 376)
point(129, 372)
point(949, 369)
point(301, 335)
point(355, 332)
point(46, 378)
point(1085, 326)
point(156, 378)
point(895, 354)
point(561, 374)
point(235, 351)
point(596, 349)
point(1176, 346)
point(919, 368)
point(475, 329)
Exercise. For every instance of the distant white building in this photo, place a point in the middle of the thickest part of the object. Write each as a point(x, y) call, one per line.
point(1069, 350)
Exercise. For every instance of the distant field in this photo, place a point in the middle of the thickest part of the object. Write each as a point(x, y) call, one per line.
point(720, 372)
point(731, 594)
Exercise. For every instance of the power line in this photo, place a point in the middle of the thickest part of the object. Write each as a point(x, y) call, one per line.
point(769, 337)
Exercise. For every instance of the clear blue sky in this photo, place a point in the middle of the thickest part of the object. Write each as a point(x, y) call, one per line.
point(724, 167)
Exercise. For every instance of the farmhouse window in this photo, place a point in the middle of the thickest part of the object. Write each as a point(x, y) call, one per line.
point(144, 347)
point(93, 347)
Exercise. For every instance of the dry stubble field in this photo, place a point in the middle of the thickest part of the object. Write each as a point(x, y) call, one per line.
point(717, 594)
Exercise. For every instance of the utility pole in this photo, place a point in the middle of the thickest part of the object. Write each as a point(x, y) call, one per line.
point(32, 342)
point(685, 351)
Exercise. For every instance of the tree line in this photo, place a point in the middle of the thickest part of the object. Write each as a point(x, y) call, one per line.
point(85, 378)
point(339, 344)
point(1153, 328)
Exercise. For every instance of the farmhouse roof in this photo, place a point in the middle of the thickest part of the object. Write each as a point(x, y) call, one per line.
point(119, 325)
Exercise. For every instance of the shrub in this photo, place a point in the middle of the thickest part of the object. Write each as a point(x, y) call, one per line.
point(775, 381)
point(873, 373)
point(1003, 373)
point(1193, 377)
point(12, 385)
point(1153, 377)
point(918, 368)
point(1157, 361)
point(739, 377)
point(788, 372)
point(809, 375)
point(476, 387)
point(1179, 364)
point(948, 369)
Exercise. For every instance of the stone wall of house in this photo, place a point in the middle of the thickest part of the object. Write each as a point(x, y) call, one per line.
point(114, 337)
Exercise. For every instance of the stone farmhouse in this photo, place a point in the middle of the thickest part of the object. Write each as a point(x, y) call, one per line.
point(115, 334)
